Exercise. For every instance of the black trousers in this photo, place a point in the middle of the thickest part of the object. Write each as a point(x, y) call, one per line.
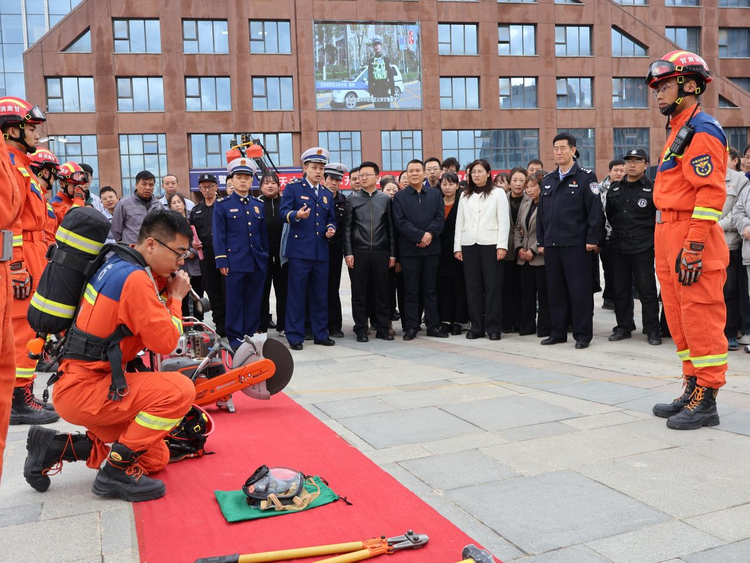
point(571, 295)
point(215, 286)
point(732, 293)
point(452, 299)
point(609, 281)
point(278, 276)
point(370, 271)
point(744, 301)
point(511, 296)
point(533, 293)
point(188, 307)
point(420, 277)
point(639, 267)
point(483, 273)
point(335, 261)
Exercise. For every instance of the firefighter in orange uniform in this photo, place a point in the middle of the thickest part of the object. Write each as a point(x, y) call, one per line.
point(44, 165)
point(691, 253)
point(18, 121)
point(72, 192)
point(132, 411)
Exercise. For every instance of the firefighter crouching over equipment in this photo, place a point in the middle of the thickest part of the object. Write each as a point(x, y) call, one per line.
point(122, 294)
point(691, 253)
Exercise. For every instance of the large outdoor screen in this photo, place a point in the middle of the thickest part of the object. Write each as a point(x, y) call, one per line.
point(367, 66)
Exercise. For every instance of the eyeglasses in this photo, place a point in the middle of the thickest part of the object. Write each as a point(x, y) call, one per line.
point(180, 255)
point(207, 187)
point(663, 88)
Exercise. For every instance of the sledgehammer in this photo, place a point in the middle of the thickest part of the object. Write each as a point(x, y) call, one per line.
point(472, 554)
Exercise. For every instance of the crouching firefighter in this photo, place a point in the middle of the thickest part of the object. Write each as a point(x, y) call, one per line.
point(121, 313)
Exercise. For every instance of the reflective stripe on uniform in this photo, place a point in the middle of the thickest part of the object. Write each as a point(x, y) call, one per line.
point(709, 361)
point(77, 241)
point(24, 172)
point(50, 307)
point(17, 240)
point(156, 422)
point(706, 213)
point(25, 373)
point(90, 294)
point(178, 323)
point(684, 355)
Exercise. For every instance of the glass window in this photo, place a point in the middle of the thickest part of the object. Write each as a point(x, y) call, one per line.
point(629, 93)
point(623, 45)
point(208, 150)
point(683, 2)
point(568, 2)
point(572, 41)
point(137, 36)
point(737, 137)
point(208, 93)
point(70, 94)
point(503, 148)
point(742, 83)
point(81, 45)
point(734, 42)
point(586, 145)
point(633, 2)
point(457, 39)
point(518, 93)
point(80, 149)
point(724, 103)
point(345, 146)
point(399, 147)
point(734, 3)
point(140, 94)
point(516, 40)
point(688, 38)
point(628, 138)
point(268, 37)
point(273, 93)
point(205, 36)
point(142, 152)
point(574, 93)
point(11, 50)
point(517, 1)
point(459, 92)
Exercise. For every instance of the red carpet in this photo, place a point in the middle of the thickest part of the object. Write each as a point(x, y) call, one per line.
point(187, 523)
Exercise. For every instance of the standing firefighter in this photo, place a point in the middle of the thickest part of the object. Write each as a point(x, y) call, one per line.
point(72, 189)
point(691, 254)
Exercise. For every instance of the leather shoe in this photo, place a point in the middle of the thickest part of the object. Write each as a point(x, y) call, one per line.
point(410, 334)
point(550, 341)
point(326, 342)
point(581, 345)
point(296, 345)
point(654, 338)
point(456, 330)
point(362, 337)
point(495, 336)
point(436, 333)
point(471, 335)
point(336, 333)
point(384, 335)
point(619, 334)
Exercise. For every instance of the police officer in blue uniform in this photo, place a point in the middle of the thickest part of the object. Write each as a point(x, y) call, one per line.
point(569, 230)
point(241, 247)
point(308, 207)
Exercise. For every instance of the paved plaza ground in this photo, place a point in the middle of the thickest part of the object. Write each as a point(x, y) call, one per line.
point(542, 454)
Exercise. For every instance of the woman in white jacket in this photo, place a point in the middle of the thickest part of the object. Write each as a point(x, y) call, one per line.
point(481, 242)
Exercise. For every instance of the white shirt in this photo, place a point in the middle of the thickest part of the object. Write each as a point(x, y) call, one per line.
point(482, 219)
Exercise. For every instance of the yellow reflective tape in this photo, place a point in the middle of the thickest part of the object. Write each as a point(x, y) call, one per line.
point(684, 355)
point(77, 241)
point(25, 373)
point(706, 213)
point(178, 323)
point(50, 307)
point(709, 361)
point(17, 240)
point(156, 422)
point(24, 172)
point(90, 294)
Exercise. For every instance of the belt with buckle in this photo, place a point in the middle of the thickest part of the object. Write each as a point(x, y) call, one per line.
point(668, 216)
point(6, 246)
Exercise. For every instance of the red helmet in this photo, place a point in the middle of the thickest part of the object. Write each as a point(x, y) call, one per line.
point(15, 110)
point(676, 64)
point(44, 158)
point(71, 172)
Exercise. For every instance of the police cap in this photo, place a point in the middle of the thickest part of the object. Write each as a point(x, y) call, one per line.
point(207, 178)
point(242, 165)
point(639, 154)
point(335, 170)
point(316, 154)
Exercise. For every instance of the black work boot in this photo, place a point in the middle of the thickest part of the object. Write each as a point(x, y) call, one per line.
point(25, 410)
point(122, 476)
point(665, 410)
point(47, 449)
point(700, 411)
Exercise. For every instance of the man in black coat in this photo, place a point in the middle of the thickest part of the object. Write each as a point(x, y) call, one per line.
point(332, 176)
point(276, 273)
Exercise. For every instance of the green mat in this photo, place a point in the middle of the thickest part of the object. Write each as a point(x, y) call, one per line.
point(234, 505)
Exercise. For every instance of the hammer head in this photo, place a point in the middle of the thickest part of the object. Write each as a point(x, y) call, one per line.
point(477, 555)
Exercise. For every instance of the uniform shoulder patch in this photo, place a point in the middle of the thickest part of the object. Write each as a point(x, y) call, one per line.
point(594, 187)
point(702, 165)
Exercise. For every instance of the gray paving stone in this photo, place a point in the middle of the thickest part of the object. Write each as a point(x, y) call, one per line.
point(57, 546)
point(118, 531)
point(531, 512)
point(129, 556)
point(461, 469)
point(738, 552)
point(462, 443)
point(535, 431)
point(602, 391)
point(15, 515)
point(447, 394)
point(407, 479)
point(732, 524)
point(655, 544)
point(601, 420)
point(737, 422)
point(407, 427)
point(538, 379)
point(354, 407)
point(575, 554)
point(509, 412)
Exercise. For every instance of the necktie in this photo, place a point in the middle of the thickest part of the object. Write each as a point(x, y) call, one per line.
point(315, 189)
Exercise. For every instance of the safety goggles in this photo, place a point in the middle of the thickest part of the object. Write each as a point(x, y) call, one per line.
point(75, 177)
point(35, 115)
point(660, 68)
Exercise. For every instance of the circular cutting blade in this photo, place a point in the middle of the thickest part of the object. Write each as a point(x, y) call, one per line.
point(282, 359)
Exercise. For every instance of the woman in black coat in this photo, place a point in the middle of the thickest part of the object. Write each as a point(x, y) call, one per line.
point(451, 286)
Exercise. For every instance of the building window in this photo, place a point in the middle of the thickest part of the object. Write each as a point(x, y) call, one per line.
point(142, 152)
point(516, 40)
point(574, 93)
point(517, 93)
point(724, 103)
point(80, 149)
point(516, 1)
point(503, 148)
point(568, 2)
point(70, 94)
point(572, 41)
point(81, 44)
point(633, 2)
point(270, 37)
point(140, 94)
point(684, 3)
point(457, 39)
point(623, 45)
point(742, 83)
point(687, 38)
point(209, 150)
point(737, 137)
point(586, 145)
point(273, 93)
point(205, 36)
point(208, 93)
point(459, 92)
point(399, 147)
point(137, 36)
point(734, 3)
point(278, 146)
point(734, 43)
point(628, 138)
point(345, 146)
point(11, 80)
point(58, 9)
point(629, 93)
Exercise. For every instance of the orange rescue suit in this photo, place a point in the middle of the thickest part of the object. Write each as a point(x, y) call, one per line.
point(62, 203)
point(689, 192)
point(122, 293)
